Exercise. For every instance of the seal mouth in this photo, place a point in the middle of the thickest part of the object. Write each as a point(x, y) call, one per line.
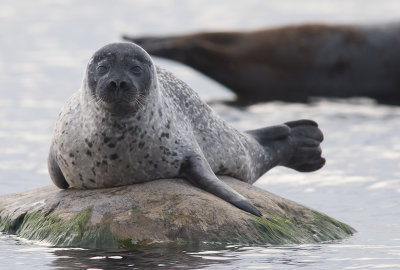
point(122, 104)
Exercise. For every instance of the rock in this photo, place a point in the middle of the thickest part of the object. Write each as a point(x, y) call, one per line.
point(161, 211)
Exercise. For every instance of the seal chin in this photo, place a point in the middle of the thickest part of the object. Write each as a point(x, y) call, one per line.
point(119, 107)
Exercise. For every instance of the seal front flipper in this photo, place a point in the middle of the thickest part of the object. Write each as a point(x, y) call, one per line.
point(54, 170)
point(197, 170)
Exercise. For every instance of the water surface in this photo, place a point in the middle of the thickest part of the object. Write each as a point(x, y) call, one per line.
point(44, 49)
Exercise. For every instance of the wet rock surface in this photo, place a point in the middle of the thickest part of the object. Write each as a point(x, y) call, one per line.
point(159, 212)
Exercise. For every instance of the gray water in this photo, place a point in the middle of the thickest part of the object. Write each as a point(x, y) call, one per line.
point(44, 48)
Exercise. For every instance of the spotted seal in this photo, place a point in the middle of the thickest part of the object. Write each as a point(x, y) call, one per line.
point(133, 122)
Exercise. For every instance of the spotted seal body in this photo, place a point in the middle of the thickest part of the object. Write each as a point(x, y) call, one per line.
point(132, 122)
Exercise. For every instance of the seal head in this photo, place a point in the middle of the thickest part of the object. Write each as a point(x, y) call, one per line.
point(119, 77)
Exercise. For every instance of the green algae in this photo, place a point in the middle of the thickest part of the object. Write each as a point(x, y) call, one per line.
point(59, 232)
point(325, 228)
point(10, 225)
point(130, 244)
point(278, 230)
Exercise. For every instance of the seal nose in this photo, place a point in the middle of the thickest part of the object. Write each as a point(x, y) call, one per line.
point(116, 85)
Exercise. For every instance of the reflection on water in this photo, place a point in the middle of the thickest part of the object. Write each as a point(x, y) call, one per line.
point(340, 255)
point(42, 60)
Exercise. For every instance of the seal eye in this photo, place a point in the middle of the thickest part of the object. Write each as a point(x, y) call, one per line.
point(102, 69)
point(136, 70)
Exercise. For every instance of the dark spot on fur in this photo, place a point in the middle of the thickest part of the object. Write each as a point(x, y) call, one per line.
point(127, 166)
point(89, 153)
point(104, 162)
point(63, 160)
point(204, 138)
point(106, 139)
point(98, 163)
point(91, 180)
point(88, 143)
point(160, 112)
point(111, 145)
point(165, 134)
point(176, 142)
point(121, 137)
point(73, 163)
point(168, 124)
point(80, 177)
point(138, 118)
point(221, 168)
point(119, 126)
point(155, 166)
point(141, 144)
point(71, 155)
point(174, 154)
point(114, 156)
point(133, 129)
point(93, 171)
point(146, 156)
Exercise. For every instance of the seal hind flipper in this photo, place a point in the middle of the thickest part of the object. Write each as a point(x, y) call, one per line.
point(306, 138)
point(267, 134)
point(295, 144)
point(197, 170)
point(55, 172)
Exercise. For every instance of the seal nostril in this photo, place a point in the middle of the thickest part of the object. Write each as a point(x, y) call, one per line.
point(123, 85)
point(112, 85)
